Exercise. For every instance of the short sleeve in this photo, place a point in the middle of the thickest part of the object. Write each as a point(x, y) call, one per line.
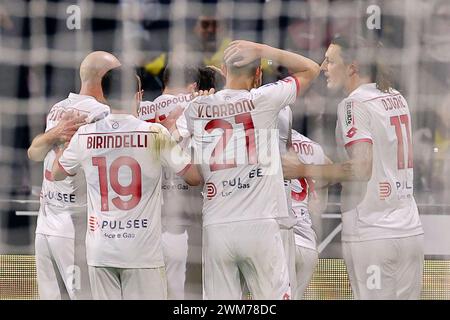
point(188, 116)
point(99, 111)
point(172, 155)
point(354, 120)
point(285, 123)
point(69, 160)
point(182, 126)
point(280, 93)
point(50, 124)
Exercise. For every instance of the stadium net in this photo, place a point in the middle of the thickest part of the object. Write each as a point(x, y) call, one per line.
point(42, 43)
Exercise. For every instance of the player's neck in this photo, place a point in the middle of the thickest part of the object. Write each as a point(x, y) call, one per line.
point(239, 83)
point(118, 111)
point(93, 91)
point(175, 91)
point(354, 83)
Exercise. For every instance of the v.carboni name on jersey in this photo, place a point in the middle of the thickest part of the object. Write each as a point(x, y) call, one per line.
point(308, 152)
point(122, 158)
point(235, 138)
point(59, 199)
point(385, 206)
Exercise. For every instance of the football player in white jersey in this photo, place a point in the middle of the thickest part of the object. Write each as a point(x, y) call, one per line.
point(287, 220)
point(181, 203)
point(61, 226)
point(306, 201)
point(122, 158)
point(382, 234)
point(175, 191)
point(243, 193)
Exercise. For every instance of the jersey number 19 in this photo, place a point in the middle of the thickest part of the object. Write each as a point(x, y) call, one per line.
point(134, 189)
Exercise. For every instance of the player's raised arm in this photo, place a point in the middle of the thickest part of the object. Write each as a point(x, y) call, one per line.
point(303, 69)
point(61, 133)
point(192, 175)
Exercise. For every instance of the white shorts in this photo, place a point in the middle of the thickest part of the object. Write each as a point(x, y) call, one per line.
point(387, 269)
point(128, 284)
point(61, 268)
point(175, 250)
point(252, 248)
point(305, 264)
point(288, 238)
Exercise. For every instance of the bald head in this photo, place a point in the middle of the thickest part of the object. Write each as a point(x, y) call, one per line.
point(95, 65)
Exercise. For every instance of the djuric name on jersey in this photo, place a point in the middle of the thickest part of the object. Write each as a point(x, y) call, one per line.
point(393, 102)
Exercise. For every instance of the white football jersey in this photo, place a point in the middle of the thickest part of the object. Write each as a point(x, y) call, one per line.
point(123, 174)
point(285, 128)
point(309, 152)
point(162, 106)
point(235, 137)
point(178, 196)
point(60, 199)
point(285, 132)
point(385, 206)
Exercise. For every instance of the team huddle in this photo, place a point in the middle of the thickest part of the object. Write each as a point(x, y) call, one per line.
point(124, 177)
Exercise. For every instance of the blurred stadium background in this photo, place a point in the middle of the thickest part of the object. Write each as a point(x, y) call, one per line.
point(42, 43)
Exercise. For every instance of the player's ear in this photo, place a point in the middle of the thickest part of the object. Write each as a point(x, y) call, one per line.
point(223, 67)
point(353, 69)
point(192, 87)
point(258, 78)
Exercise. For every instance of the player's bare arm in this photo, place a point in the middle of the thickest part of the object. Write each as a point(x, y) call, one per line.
point(302, 68)
point(60, 134)
point(358, 168)
point(58, 172)
point(192, 176)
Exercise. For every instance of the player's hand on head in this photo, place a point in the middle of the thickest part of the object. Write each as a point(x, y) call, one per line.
point(204, 92)
point(291, 165)
point(68, 125)
point(242, 52)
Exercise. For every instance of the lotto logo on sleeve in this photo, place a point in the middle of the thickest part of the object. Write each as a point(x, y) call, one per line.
point(211, 190)
point(351, 132)
point(384, 190)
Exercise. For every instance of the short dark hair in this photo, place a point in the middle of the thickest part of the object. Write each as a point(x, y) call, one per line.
point(175, 75)
point(209, 77)
point(112, 84)
point(368, 54)
point(248, 69)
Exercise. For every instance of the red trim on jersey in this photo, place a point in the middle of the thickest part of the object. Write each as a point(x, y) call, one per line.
point(358, 141)
point(297, 84)
point(183, 171)
point(48, 175)
point(60, 165)
point(385, 96)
